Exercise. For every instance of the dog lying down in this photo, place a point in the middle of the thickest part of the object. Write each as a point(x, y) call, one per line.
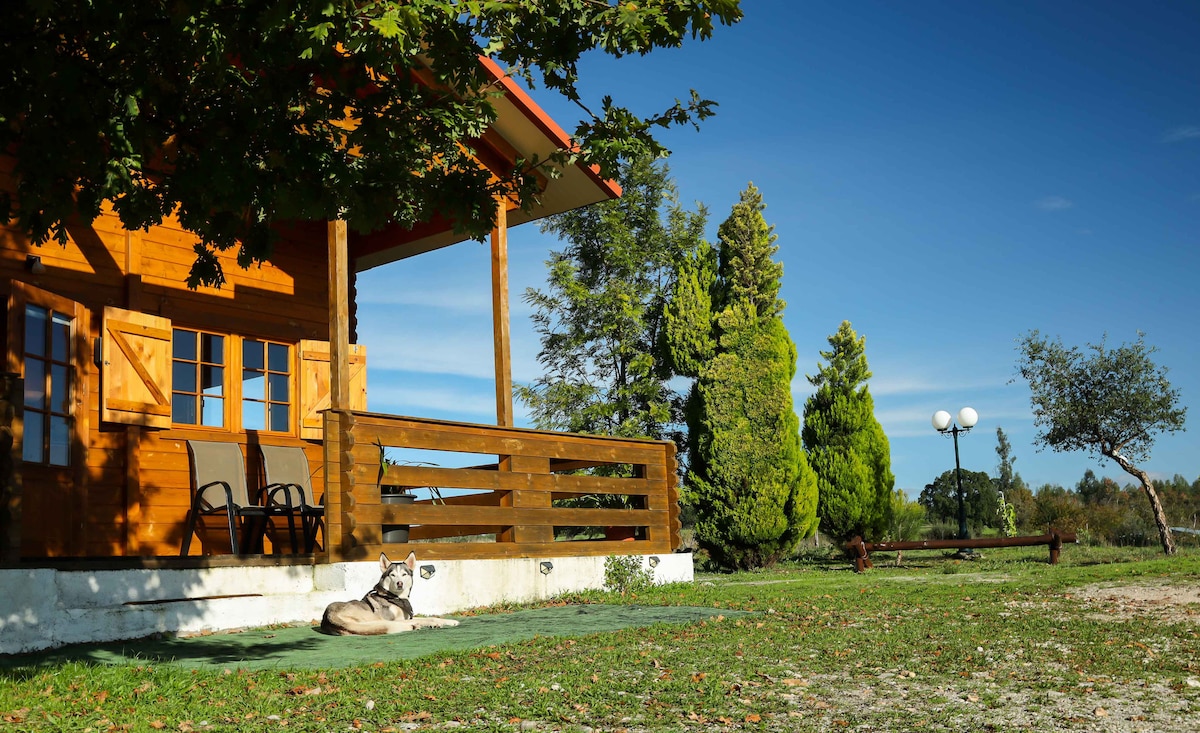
point(385, 609)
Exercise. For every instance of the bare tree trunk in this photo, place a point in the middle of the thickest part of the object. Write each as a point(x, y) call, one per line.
point(1160, 518)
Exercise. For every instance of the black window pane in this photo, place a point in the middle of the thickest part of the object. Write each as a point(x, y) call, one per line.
point(212, 348)
point(60, 337)
point(279, 418)
point(183, 375)
point(32, 450)
point(60, 441)
point(35, 383)
point(60, 390)
point(278, 388)
point(35, 330)
point(183, 409)
point(252, 355)
point(277, 358)
point(183, 345)
point(212, 380)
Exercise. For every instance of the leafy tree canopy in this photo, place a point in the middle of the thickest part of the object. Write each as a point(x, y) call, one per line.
point(238, 113)
point(1098, 399)
point(980, 498)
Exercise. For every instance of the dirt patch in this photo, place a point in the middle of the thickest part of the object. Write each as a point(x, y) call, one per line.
point(1173, 603)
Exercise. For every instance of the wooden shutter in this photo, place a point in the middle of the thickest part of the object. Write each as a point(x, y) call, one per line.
point(136, 354)
point(314, 384)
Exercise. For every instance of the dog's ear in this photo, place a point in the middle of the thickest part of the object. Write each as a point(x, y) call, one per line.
point(384, 562)
point(411, 560)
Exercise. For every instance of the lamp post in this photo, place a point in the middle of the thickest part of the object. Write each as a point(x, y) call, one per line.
point(944, 424)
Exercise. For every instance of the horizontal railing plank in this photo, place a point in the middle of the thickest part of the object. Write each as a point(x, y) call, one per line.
point(467, 478)
point(507, 516)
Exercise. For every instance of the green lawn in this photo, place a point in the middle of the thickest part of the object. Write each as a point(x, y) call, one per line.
point(1109, 640)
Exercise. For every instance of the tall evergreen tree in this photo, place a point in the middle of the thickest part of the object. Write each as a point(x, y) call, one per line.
point(754, 494)
point(600, 317)
point(846, 444)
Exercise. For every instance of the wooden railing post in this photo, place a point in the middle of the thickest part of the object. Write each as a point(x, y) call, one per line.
point(526, 499)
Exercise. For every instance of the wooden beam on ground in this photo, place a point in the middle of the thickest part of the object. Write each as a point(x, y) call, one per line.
point(500, 325)
point(339, 317)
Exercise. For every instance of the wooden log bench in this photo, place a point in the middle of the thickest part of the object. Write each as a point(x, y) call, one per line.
point(860, 550)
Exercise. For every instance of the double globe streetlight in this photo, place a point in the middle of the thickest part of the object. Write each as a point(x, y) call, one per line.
point(944, 424)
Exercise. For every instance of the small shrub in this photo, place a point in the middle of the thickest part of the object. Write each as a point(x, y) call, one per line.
point(942, 531)
point(625, 574)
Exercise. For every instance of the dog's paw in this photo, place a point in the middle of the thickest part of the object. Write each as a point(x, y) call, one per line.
point(448, 622)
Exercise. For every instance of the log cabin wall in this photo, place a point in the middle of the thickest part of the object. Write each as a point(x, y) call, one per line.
point(127, 488)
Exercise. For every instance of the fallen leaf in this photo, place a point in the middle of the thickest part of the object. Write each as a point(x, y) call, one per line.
point(753, 718)
point(795, 683)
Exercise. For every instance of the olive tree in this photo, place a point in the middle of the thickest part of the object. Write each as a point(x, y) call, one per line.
point(1111, 402)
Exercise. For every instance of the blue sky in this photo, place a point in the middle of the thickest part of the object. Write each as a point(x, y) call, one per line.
point(946, 176)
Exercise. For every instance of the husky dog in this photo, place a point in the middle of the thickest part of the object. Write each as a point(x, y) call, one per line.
point(384, 610)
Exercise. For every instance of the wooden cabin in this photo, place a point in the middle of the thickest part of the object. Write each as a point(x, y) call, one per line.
point(113, 364)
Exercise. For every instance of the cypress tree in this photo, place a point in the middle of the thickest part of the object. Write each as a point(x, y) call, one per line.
point(846, 445)
point(754, 494)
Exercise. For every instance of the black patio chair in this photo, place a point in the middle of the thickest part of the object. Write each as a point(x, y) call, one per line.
point(219, 487)
point(289, 483)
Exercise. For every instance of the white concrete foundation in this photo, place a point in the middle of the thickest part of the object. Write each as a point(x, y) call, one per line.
point(44, 608)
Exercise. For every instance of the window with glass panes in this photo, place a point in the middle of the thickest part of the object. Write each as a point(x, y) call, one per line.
point(266, 386)
point(48, 386)
point(198, 378)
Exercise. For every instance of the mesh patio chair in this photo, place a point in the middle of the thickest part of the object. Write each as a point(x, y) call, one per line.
point(289, 483)
point(219, 487)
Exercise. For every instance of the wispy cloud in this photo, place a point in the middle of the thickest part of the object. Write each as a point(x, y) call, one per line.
point(1180, 134)
point(1053, 203)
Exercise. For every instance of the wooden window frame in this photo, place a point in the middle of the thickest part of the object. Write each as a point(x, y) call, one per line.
point(291, 402)
point(232, 384)
point(199, 363)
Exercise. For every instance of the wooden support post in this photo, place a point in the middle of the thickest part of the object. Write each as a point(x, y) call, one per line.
point(133, 433)
point(526, 499)
point(1056, 542)
point(339, 317)
point(500, 326)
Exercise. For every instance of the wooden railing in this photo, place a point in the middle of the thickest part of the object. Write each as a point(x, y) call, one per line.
point(512, 503)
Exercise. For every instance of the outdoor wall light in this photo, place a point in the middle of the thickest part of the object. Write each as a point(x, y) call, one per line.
point(427, 571)
point(546, 567)
point(944, 424)
point(654, 561)
point(33, 263)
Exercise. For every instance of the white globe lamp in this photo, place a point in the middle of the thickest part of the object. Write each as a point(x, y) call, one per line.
point(941, 420)
point(967, 417)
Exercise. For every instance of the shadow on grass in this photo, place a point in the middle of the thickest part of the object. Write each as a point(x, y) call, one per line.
point(306, 648)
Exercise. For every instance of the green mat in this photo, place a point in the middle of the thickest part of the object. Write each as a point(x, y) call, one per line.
point(305, 647)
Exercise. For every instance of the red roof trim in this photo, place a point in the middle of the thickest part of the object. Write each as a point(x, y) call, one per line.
point(545, 123)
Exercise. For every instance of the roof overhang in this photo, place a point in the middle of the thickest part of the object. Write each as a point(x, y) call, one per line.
point(522, 128)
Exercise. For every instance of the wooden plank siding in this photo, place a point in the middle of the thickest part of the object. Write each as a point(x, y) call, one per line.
point(512, 499)
point(132, 484)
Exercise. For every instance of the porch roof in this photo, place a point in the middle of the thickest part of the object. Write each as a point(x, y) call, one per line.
point(525, 128)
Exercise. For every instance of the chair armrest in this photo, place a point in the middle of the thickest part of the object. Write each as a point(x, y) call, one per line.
point(223, 484)
point(272, 490)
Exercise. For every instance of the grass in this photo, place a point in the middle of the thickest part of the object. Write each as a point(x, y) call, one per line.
point(1004, 642)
